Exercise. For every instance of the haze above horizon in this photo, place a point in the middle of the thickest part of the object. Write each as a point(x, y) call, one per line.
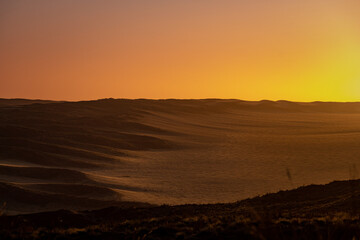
point(253, 50)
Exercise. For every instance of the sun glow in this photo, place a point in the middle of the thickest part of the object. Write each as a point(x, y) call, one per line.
point(294, 50)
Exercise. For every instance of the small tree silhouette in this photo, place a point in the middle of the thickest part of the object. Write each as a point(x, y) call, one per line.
point(288, 174)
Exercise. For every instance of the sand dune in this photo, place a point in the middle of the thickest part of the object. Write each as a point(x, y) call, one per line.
point(30, 199)
point(46, 174)
point(59, 154)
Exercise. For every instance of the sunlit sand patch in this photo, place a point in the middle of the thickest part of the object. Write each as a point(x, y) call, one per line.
point(17, 163)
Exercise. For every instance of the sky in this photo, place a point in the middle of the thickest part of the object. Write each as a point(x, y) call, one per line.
point(298, 50)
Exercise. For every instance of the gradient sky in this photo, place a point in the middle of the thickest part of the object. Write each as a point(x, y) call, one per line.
point(300, 50)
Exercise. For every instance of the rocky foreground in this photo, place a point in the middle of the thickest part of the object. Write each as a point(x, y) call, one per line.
point(312, 212)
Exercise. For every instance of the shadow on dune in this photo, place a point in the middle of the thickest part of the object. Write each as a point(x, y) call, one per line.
point(47, 148)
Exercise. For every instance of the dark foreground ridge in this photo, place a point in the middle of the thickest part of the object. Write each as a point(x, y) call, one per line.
point(311, 212)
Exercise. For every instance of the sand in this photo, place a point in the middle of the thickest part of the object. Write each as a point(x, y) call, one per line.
point(94, 154)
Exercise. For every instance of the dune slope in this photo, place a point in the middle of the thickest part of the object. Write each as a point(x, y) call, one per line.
point(115, 152)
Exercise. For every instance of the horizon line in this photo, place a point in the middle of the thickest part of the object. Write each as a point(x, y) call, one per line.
point(162, 99)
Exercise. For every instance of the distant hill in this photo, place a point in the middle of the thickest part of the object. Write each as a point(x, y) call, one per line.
point(209, 104)
point(19, 102)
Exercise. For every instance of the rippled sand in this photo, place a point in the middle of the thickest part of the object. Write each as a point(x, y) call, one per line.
point(85, 155)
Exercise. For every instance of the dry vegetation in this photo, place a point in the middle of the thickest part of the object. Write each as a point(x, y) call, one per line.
point(311, 212)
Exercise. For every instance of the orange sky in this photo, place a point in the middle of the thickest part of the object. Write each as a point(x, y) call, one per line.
point(301, 50)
